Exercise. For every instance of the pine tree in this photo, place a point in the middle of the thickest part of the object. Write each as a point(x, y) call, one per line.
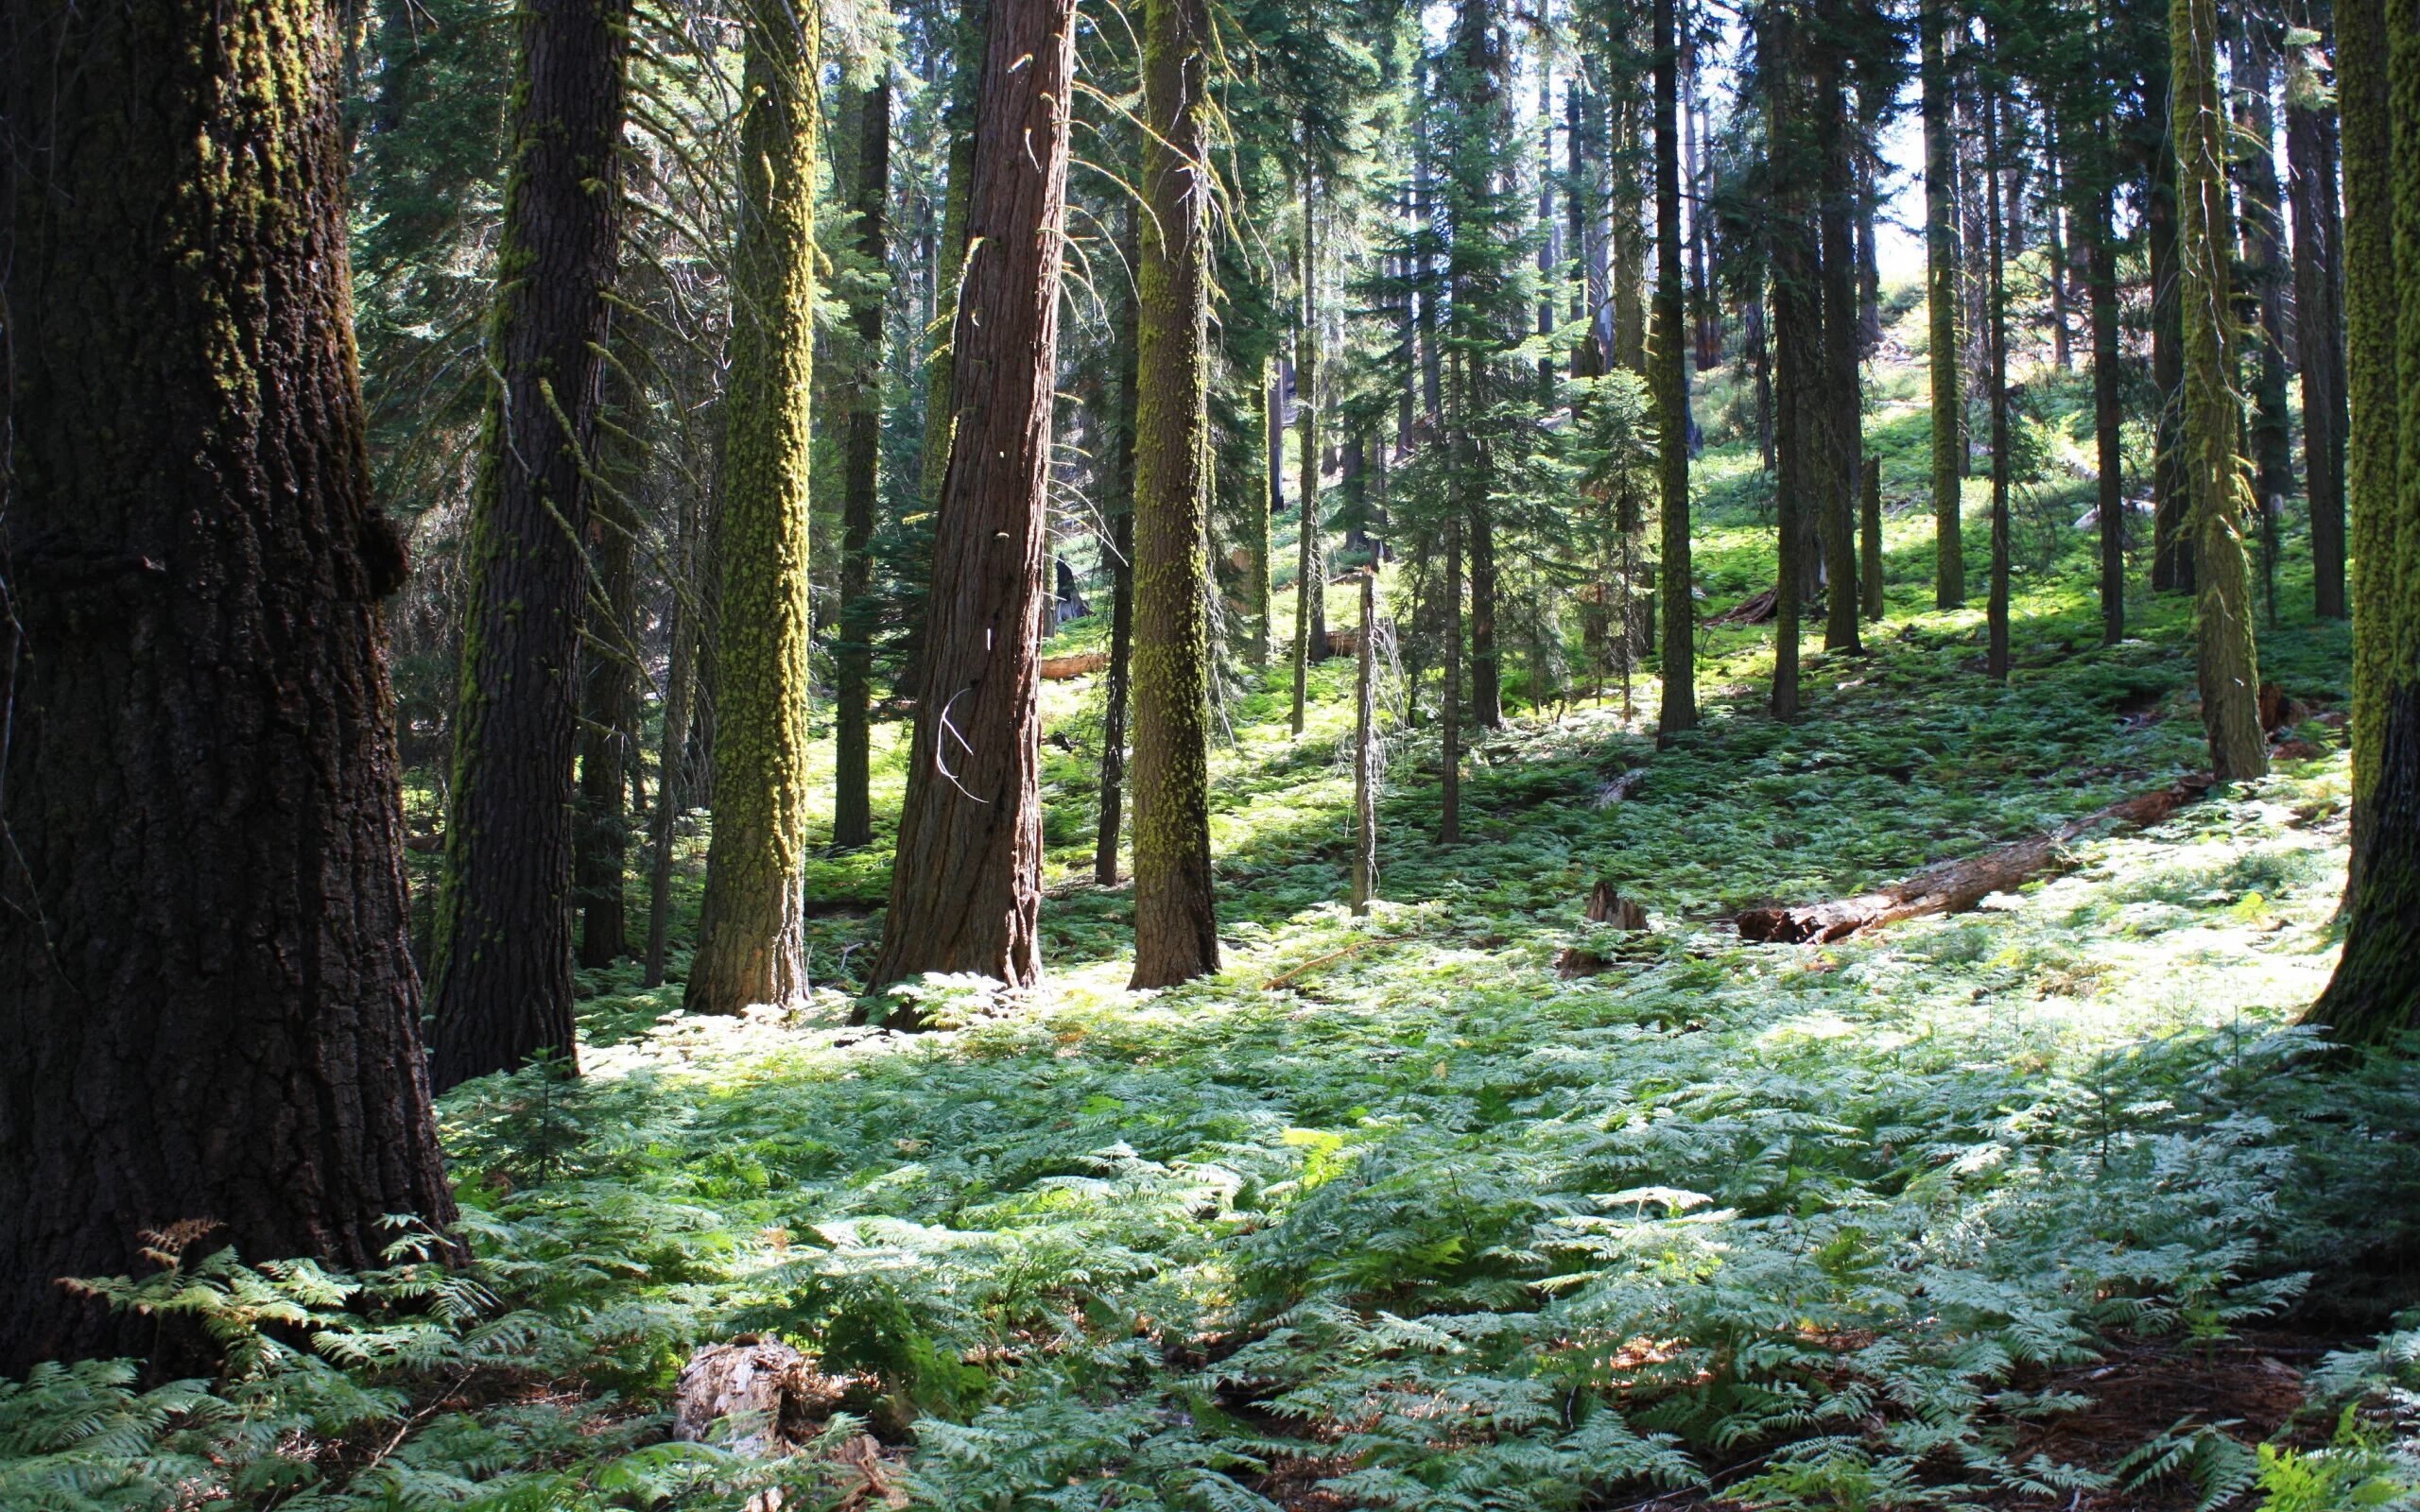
point(216, 1017)
point(2311, 152)
point(853, 691)
point(1176, 923)
point(500, 982)
point(751, 935)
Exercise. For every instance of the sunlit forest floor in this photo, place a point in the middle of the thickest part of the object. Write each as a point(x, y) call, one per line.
point(2046, 1205)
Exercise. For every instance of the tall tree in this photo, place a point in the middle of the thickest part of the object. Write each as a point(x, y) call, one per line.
point(205, 983)
point(752, 934)
point(608, 676)
point(2254, 56)
point(2375, 992)
point(2171, 497)
point(1176, 920)
point(2108, 407)
point(1310, 556)
point(2228, 667)
point(501, 977)
point(1940, 295)
point(2311, 153)
point(1997, 208)
point(966, 887)
point(1837, 395)
point(1117, 683)
point(853, 659)
point(1670, 377)
point(1798, 324)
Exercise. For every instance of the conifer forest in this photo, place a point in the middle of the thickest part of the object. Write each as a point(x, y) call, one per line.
point(1209, 755)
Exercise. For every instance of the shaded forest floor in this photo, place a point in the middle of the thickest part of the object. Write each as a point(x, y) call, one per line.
point(2046, 1205)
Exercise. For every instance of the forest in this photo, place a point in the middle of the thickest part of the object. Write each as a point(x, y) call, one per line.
point(1210, 755)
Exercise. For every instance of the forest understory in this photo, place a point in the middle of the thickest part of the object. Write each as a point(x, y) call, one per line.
point(1468, 1201)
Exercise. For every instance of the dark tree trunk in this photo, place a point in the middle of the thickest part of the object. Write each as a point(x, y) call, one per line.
point(1449, 713)
point(1121, 506)
point(1798, 339)
point(2108, 418)
point(1837, 394)
point(2172, 540)
point(2319, 325)
point(1365, 799)
point(1869, 519)
point(1176, 920)
point(853, 661)
point(206, 990)
point(501, 981)
point(1487, 685)
point(2264, 272)
point(681, 624)
point(1679, 711)
point(608, 679)
point(966, 888)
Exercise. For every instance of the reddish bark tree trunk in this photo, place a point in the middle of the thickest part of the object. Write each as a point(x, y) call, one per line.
point(966, 887)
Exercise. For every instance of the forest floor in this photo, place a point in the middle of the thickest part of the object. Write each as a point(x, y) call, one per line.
point(2051, 1204)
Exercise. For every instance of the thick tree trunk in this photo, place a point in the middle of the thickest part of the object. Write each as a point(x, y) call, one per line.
point(2373, 383)
point(206, 990)
point(2375, 993)
point(501, 979)
point(2319, 323)
point(1176, 920)
point(2228, 667)
point(751, 935)
point(853, 657)
point(1941, 294)
point(1678, 709)
point(966, 889)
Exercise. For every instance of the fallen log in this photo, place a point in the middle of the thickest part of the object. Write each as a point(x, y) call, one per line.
point(1074, 664)
point(1955, 886)
point(1758, 609)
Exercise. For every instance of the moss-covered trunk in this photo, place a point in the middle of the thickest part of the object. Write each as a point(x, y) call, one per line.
point(1175, 924)
point(205, 988)
point(500, 981)
point(752, 932)
point(1940, 297)
point(2375, 993)
point(966, 888)
point(2227, 664)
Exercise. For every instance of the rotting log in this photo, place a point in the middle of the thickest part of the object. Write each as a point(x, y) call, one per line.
point(1955, 886)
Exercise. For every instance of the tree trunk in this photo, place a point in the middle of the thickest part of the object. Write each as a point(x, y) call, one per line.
point(1310, 562)
point(1870, 582)
point(2171, 500)
point(1120, 504)
point(2108, 416)
point(501, 978)
point(672, 789)
point(2228, 667)
point(966, 889)
point(1941, 294)
point(2264, 277)
point(853, 657)
point(1176, 920)
point(216, 1020)
point(608, 675)
point(1487, 686)
point(1365, 796)
point(1797, 341)
point(1449, 737)
point(1837, 389)
point(1670, 376)
point(1263, 503)
point(751, 935)
point(2319, 323)
point(1995, 318)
